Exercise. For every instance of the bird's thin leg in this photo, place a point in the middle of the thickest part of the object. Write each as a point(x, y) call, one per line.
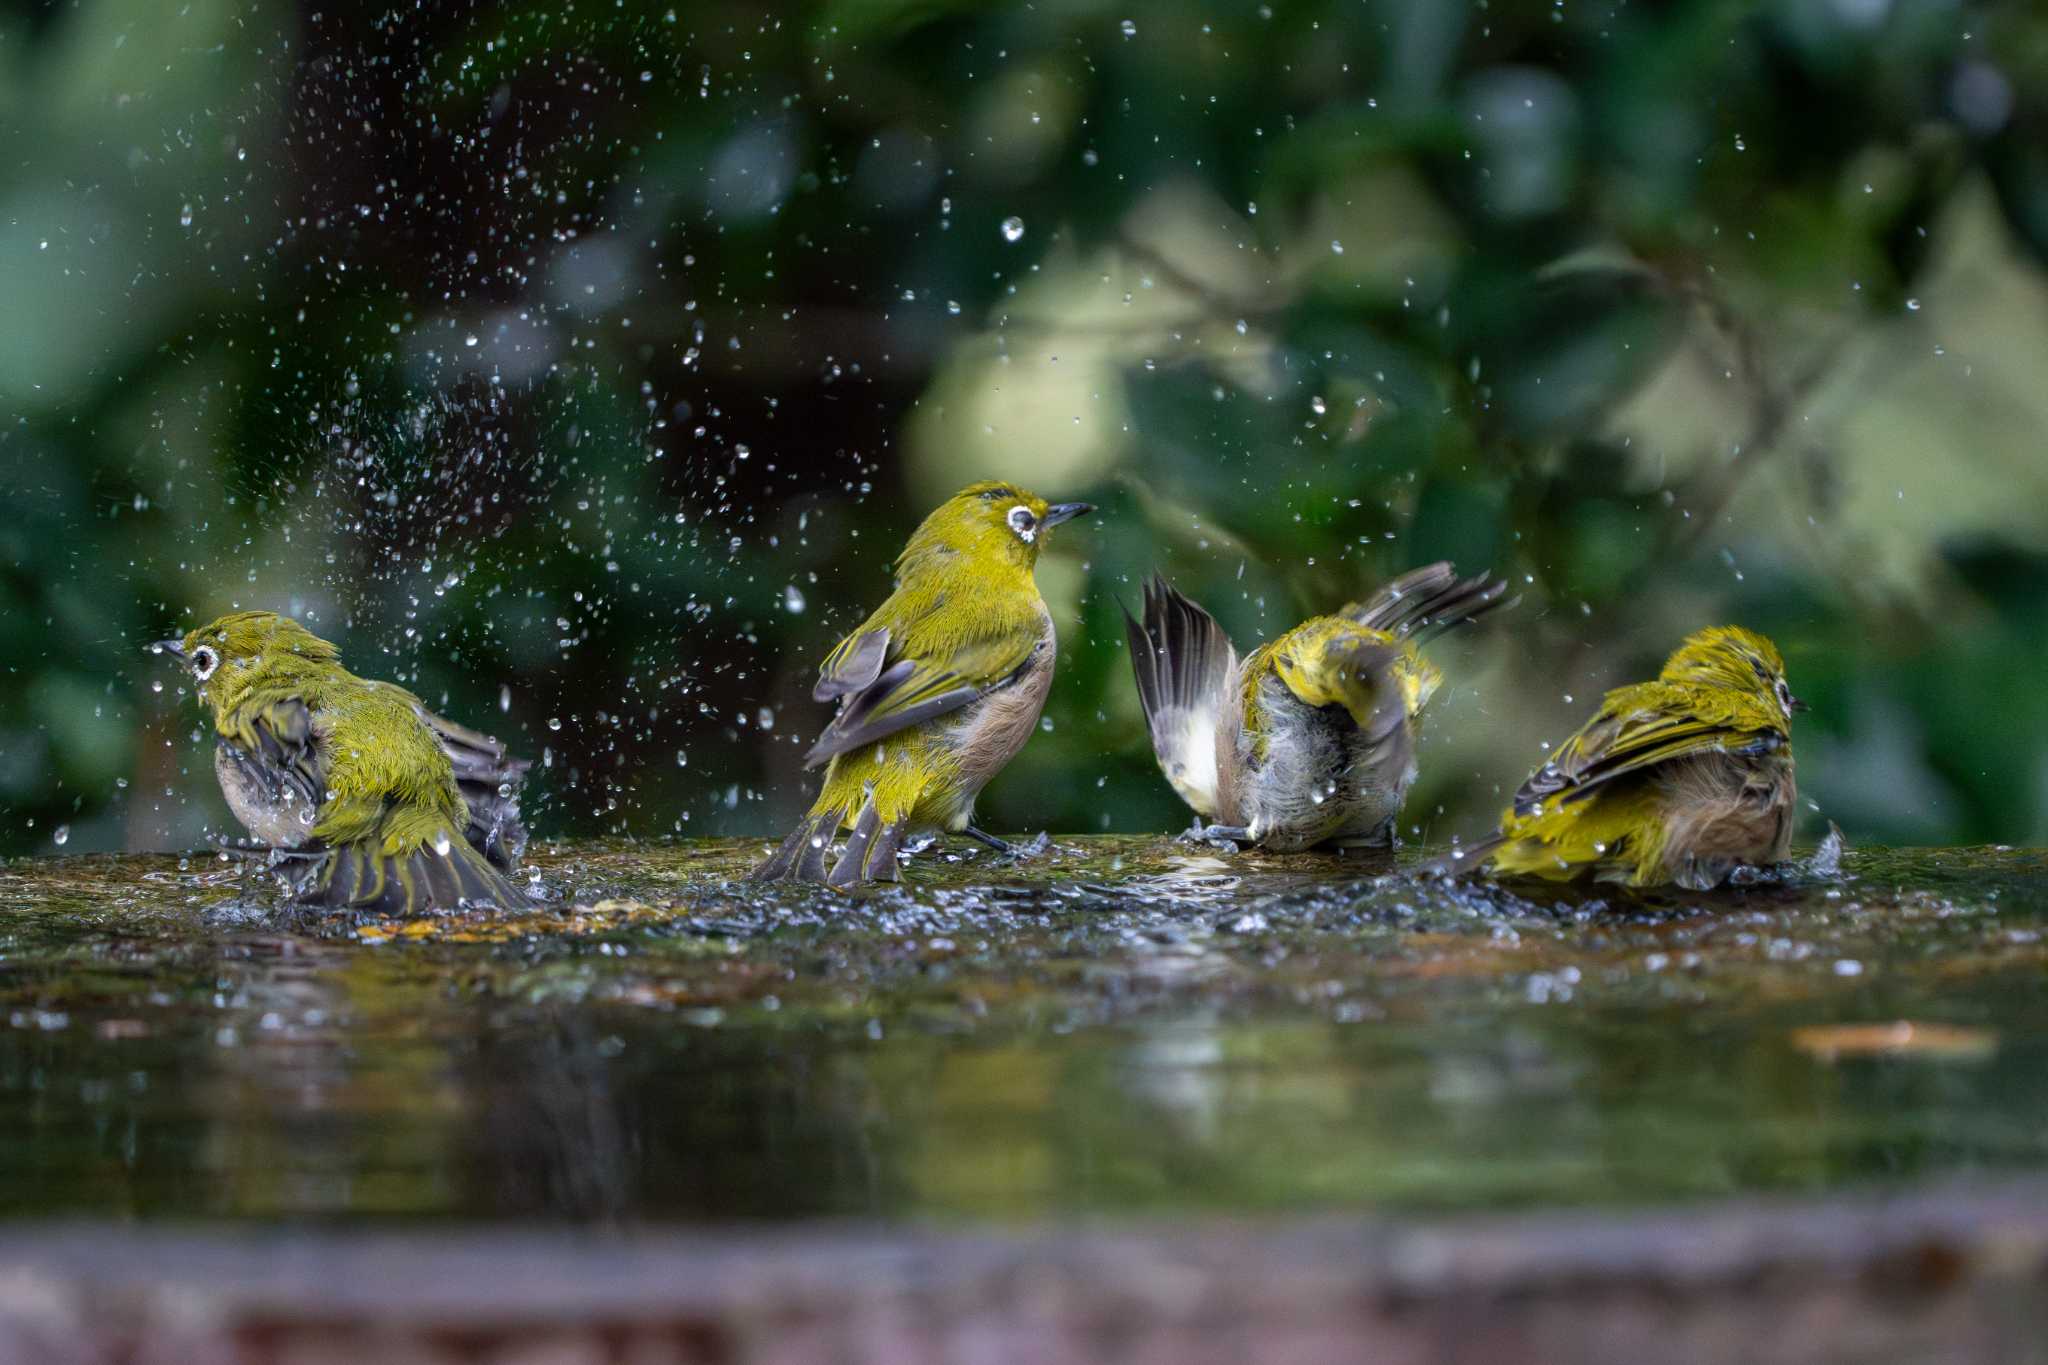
point(982, 836)
point(1016, 852)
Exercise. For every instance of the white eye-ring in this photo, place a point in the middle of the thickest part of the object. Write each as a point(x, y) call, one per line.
point(1784, 696)
point(204, 660)
point(1023, 523)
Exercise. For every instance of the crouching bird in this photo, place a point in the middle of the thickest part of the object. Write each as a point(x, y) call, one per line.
point(937, 690)
point(1309, 740)
point(1681, 780)
point(366, 799)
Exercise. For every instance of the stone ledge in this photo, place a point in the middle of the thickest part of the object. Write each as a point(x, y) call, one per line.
point(1951, 1274)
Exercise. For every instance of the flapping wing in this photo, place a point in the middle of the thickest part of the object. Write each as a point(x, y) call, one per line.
point(1183, 662)
point(489, 777)
point(271, 740)
point(1424, 601)
point(1639, 727)
point(887, 679)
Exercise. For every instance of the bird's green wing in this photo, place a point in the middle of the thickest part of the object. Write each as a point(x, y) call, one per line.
point(1640, 726)
point(888, 677)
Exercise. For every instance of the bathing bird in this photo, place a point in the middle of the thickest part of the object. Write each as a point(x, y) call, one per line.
point(936, 691)
point(1679, 781)
point(1309, 740)
point(367, 800)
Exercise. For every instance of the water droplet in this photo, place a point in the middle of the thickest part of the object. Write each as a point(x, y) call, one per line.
point(792, 600)
point(554, 722)
point(1336, 247)
point(1317, 406)
point(1129, 27)
point(62, 834)
point(504, 697)
point(1013, 229)
point(441, 844)
point(1912, 305)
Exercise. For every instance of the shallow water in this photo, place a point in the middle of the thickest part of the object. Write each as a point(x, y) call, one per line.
point(1121, 1025)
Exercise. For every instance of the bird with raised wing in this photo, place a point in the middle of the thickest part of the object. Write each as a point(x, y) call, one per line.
point(1309, 740)
point(366, 799)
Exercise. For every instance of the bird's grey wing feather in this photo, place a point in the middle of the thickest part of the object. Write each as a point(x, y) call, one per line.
point(1427, 600)
point(854, 666)
point(858, 724)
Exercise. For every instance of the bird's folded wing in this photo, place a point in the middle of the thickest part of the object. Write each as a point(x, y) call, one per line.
point(906, 687)
point(489, 778)
point(1640, 727)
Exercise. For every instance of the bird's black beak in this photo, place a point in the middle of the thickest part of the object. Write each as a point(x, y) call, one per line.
point(1067, 511)
point(174, 648)
point(1799, 708)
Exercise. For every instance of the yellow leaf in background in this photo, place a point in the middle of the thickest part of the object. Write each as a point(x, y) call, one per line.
point(1901, 1038)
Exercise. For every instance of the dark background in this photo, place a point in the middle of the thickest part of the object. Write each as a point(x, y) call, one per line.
point(582, 366)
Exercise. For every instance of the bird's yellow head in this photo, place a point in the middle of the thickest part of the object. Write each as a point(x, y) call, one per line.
point(221, 656)
point(1729, 656)
point(987, 525)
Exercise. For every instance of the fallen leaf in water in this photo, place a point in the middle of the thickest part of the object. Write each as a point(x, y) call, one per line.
point(1901, 1038)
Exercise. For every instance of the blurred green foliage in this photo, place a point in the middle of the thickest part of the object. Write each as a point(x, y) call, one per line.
point(583, 368)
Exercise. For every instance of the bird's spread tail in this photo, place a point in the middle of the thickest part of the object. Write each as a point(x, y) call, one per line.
point(1183, 662)
point(446, 873)
point(1427, 600)
point(801, 858)
point(1466, 858)
point(869, 854)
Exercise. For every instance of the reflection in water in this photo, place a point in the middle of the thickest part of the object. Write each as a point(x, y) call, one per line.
point(1141, 1036)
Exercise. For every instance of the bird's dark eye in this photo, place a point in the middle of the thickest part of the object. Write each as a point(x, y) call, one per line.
point(1022, 522)
point(204, 660)
point(1784, 692)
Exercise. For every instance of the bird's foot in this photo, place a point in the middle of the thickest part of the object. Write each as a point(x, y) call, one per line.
point(1227, 838)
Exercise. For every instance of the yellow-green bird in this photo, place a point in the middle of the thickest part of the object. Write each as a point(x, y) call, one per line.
point(1310, 739)
point(367, 800)
point(937, 690)
point(1681, 780)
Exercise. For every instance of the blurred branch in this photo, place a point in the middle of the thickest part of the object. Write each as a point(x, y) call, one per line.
point(1773, 407)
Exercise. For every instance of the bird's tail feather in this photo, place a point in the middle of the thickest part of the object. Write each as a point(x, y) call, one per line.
point(1183, 663)
point(1464, 858)
point(870, 852)
point(801, 858)
point(446, 874)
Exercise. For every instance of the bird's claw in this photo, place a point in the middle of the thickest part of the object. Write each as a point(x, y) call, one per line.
point(1225, 838)
point(1036, 847)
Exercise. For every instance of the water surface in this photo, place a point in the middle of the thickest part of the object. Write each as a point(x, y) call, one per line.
point(1124, 1025)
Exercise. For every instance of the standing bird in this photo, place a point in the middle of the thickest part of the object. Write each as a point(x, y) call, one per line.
point(371, 800)
point(1680, 780)
point(937, 690)
point(1311, 739)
